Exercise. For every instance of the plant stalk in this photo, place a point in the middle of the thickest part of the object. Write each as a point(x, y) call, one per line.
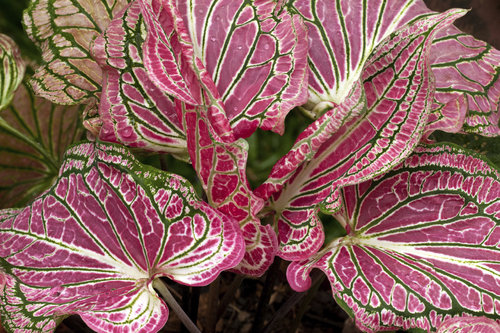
point(272, 276)
point(317, 278)
point(213, 304)
point(229, 295)
point(162, 288)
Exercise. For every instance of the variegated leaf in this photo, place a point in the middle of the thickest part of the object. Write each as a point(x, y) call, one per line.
point(422, 244)
point(342, 35)
point(256, 53)
point(398, 89)
point(488, 147)
point(64, 30)
point(221, 169)
point(133, 111)
point(94, 243)
point(34, 134)
point(467, 75)
point(218, 159)
point(174, 67)
point(469, 325)
point(12, 69)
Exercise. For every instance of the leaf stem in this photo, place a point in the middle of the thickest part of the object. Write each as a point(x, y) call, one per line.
point(162, 288)
point(317, 278)
point(342, 220)
point(272, 277)
point(213, 303)
point(229, 295)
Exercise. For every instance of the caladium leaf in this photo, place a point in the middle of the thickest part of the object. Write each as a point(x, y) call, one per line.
point(488, 147)
point(170, 60)
point(342, 35)
point(94, 243)
point(422, 243)
point(64, 30)
point(221, 169)
point(469, 325)
point(11, 70)
point(133, 110)
point(467, 75)
point(34, 134)
point(218, 159)
point(398, 89)
point(256, 53)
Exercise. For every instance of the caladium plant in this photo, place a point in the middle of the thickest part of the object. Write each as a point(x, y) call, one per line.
point(94, 243)
point(413, 238)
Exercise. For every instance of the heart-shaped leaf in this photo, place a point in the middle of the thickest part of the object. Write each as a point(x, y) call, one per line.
point(133, 110)
point(64, 30)
point(11, 70)
point(34, 134)
point(467, 75)
point(398, 90)
point(94, 243)
point(422, 243)
point(218, 159)
point(256, 53)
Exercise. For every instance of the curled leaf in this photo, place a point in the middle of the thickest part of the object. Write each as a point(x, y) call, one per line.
point(94, 243)
point(422, 244)
point(11, 70)
point(469, 325)
point(467, 75)
point(218, 159)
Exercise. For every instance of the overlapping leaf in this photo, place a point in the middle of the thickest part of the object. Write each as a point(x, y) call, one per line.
point(94, 243)
point(133, 110)
point(34, 134)
point(467, 75)
point(64, 30)
point(469, 325)
point(422, 244)
point(218, 159)
point(398, 90)
point(256, 53)
point(221, 169)
point(342, 35)
point(11, 70)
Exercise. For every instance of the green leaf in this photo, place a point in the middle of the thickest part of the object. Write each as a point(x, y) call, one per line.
point(34, 133)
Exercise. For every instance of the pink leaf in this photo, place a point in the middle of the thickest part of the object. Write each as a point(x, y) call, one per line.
point(467, 84)
point(469, 325)
point(422, 243)
point(133, 111)
point(218, 159)
point(342, 35)
point(256, 53)
point(95, 241)
point(398, 90)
